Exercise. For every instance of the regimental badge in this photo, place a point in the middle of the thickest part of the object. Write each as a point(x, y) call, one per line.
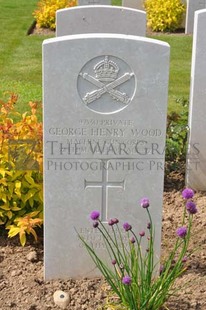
point(106, 84)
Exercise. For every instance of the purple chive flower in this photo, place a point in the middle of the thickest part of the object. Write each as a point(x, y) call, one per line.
point(111, 222)
point(132, 239)
point(149, 225)
point(114, 262)
point(94, 215)
point(116, 221)
point(191, 207)
point(181, 232)
point(144, 202)
point(187, 193)
point(127, 226)
point(95, 224)
point(184, 260)
point(142, 233)
point(126, 280)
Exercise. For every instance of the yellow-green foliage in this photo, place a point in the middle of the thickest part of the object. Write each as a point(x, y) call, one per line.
point(164, 15)
point(21, 190)
point(45, 15)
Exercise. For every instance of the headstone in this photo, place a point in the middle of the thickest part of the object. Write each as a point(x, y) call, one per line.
point(184, 15)
point(192, 6)
point(196, 161)
point(94, 2)
point(105, 106)
point(135, 4)
point(98, 19)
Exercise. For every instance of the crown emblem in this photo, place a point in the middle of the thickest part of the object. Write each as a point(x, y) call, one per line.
point(106, 94)
point(106, 70)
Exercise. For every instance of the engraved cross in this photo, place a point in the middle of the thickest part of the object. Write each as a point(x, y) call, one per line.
point(105, 185)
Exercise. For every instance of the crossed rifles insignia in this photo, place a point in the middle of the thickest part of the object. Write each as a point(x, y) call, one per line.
point(106, 72)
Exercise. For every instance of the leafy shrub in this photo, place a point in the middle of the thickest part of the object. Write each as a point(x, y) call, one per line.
point(45, 15)
point(21, 190)
point(176, 139)
point(164, 15)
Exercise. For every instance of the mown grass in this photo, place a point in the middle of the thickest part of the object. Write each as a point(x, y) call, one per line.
point(21, 63)
point(180, 67)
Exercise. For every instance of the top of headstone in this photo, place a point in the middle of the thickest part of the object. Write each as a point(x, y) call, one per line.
point(94, 2)
point(198, 15)
point(105, 35)
point(98, 19)
point(202, 11)
point(192, 7)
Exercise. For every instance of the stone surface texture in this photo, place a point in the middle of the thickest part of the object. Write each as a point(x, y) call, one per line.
point(183, 24)
point(100, 19)
point(94, 2)
point(192, 6)
point(196, 161)
point(135, 4)
point(105, 107)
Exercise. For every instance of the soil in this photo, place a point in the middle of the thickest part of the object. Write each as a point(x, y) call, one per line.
point(22, 285)
point(35, 30)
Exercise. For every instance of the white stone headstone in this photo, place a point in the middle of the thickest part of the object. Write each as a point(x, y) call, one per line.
point(105, 106)
point(192, 6)
point(94, 2)
point(100, 19)
point(135, 4)
point(196, 161)
point(184, 14)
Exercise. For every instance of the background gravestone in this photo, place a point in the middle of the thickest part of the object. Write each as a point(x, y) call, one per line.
point(134, 4)
point(183, 24)
point(196, 162)
point(94, 2)
point(105, 106)
point(192, 6)
point(100, 19)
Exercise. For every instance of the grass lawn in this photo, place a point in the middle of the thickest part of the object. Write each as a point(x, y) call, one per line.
point(180, 68)
point(21, 65)
point(20, 61)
